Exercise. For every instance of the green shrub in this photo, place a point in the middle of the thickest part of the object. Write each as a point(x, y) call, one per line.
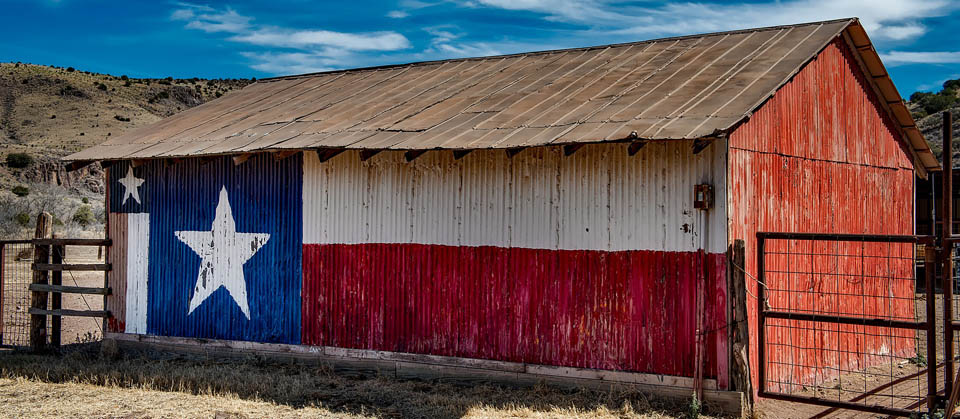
point(23, 219)
point(70, 69)
point(85, 200)
point(121, 118)
point(20, 191)
point(19, 160)
point(84, 216)
point(693, 409)
point(124, 77)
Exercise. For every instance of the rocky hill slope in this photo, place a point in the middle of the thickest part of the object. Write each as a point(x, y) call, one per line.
point(49, 112)
point(927, 110)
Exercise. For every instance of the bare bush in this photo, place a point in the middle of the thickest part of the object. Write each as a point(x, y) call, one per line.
point(61, 203)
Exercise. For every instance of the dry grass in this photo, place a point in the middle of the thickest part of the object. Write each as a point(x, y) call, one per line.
point(82, 383)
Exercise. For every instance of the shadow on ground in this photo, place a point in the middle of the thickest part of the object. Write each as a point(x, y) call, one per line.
point(299, 384)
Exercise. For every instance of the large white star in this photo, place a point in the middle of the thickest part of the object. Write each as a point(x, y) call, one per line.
point(130, 184)
point(222, 251)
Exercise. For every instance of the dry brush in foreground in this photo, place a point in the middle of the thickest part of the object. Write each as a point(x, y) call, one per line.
point(84, 383)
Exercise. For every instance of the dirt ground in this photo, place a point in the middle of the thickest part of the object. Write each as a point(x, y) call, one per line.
point(894, 384)
point(85, 383)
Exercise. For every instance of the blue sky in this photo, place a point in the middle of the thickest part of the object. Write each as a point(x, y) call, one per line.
point(918, 39)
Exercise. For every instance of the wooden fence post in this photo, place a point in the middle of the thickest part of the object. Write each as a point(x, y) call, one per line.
point(56, 278)
point(739, 333)
point(41, 254)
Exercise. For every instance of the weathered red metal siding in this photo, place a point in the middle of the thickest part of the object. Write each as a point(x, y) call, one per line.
point(627, 311)
point(820, 156)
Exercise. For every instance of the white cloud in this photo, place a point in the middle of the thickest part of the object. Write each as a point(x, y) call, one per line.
point(290, 63)
point(921, 57)
point(227, 20)
point(312, 49)
point(883, 19)
point(279, 37)
point(443, 44)
point(397, 14)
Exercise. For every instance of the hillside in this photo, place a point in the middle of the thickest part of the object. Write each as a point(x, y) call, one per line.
point(49, 112)
point(927, 110)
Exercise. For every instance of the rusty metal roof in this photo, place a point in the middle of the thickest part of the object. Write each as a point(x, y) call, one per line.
point(674, 88)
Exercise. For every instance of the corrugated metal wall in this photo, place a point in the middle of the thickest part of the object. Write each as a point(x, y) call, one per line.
point(262, 197)
point(587, 261)
point(820, 156)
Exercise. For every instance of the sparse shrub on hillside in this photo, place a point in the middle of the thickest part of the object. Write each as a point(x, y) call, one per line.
point(70, 70)
point(159, 96)
point(20, 191)
point(69, 90)
point(121, 118)
point(19, 160)
point(126, 83)
point(124, 77)
point(101, 86)
point(931, 103)
point(22, 219)
point(85, 200)
point(84, 216)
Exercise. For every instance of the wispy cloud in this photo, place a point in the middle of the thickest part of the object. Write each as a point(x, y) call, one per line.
point(307, 39)
point(884, 19)
point(291, 62)
point(444, 43)
point(293, 50)
point(397, 14)
point(211, 20)
point(921, 57)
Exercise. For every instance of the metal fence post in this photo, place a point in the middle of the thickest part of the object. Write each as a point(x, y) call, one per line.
point(3, 268)
point(946, 233)
point(930, 263)
point(761, 352)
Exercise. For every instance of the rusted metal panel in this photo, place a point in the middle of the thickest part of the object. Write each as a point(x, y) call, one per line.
point(819, 156)
point(667, 89)
point(589, 260)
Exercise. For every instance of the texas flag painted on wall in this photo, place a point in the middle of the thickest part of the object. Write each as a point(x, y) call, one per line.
point(213, 241)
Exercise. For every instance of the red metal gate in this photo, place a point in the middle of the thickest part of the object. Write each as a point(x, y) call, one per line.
point(844, 323)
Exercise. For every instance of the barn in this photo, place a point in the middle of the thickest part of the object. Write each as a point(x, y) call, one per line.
point(564, 214)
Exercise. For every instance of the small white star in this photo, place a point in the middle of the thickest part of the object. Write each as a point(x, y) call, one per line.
point(131, 184)
point(222, 251)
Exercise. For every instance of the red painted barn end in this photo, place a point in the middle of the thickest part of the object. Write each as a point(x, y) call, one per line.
point(561, 237)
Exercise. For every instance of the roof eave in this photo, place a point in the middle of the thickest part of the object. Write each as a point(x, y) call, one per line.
point(923, 158)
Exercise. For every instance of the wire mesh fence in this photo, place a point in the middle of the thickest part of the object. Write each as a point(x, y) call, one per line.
point(15, 299)
point(843, 322)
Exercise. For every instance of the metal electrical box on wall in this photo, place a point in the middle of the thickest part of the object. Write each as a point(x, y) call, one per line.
point(702, 196)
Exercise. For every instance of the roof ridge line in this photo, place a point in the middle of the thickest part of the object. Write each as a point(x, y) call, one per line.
point(552, 51)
